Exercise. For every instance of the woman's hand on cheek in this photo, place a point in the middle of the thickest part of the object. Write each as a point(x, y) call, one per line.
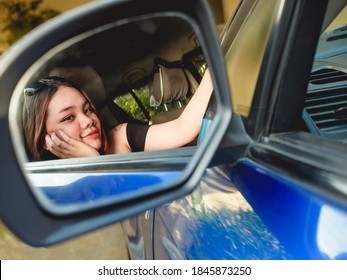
point(63, 146)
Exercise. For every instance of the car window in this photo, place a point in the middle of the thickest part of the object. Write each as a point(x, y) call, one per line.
point(136, 103)
point(118, 77)
point(136, 100)
point(325, 109)
point(244, 43)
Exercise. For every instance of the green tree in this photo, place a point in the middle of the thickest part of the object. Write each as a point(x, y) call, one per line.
point(20, 16)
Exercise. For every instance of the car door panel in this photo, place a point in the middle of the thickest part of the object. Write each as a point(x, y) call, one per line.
point(215, 222)
point(248, 211)
point(294, 214)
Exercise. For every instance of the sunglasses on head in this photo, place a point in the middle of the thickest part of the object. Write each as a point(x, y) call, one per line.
point(40, 84)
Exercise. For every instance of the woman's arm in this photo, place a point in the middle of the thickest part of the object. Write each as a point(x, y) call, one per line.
point(184, 129)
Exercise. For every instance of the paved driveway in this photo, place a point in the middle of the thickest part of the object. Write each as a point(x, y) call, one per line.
point(104, 244)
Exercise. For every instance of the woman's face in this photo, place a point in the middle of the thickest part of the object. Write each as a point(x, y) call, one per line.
point(71, 112)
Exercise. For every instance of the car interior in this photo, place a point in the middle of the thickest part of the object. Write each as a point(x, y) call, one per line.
point(325, 109)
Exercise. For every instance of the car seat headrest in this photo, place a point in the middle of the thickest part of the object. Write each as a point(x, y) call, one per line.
point(168, 85)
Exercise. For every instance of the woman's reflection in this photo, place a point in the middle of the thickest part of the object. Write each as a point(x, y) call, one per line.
point(60, 121)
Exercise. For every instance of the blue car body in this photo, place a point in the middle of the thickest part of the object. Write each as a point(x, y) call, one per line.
point(242, 211)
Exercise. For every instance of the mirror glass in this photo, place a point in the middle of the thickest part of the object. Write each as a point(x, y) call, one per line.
point(142, 71)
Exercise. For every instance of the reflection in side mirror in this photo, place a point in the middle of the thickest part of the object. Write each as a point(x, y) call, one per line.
point(123, 72)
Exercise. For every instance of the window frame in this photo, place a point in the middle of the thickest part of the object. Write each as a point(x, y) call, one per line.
point(316, 162)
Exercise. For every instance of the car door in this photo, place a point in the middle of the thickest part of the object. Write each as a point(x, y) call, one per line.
point(284, 195)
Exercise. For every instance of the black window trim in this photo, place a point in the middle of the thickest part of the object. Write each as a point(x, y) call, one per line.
point(316, 162)
point(319, 163)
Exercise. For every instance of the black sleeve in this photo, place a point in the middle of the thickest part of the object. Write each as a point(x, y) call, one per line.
point(136, 135)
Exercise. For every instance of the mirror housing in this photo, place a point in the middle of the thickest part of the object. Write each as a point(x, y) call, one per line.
point(20, 209)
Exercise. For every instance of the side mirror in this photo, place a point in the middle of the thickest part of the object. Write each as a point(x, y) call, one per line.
point(65, 198)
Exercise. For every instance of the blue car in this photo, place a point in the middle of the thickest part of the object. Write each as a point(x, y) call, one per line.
point(266, 177)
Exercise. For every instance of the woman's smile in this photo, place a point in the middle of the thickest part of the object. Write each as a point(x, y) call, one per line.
point(93, 134)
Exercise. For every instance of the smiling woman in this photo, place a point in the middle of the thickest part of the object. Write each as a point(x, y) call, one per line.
point(52, 107)
point(65, 120)
point(58, 117)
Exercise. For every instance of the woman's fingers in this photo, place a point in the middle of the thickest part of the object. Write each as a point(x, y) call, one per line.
point(61, 139)
point(58, 145)
point(63, 146)
point(63, 136)
point(56, 140)
point(48, 142)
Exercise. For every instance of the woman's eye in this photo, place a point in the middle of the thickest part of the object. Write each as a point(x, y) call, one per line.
point(89, 110)
point(68, 118)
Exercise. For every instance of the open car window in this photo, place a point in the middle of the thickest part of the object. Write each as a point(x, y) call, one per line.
point(136, 99)
point(325, 108)
point(121, 78)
